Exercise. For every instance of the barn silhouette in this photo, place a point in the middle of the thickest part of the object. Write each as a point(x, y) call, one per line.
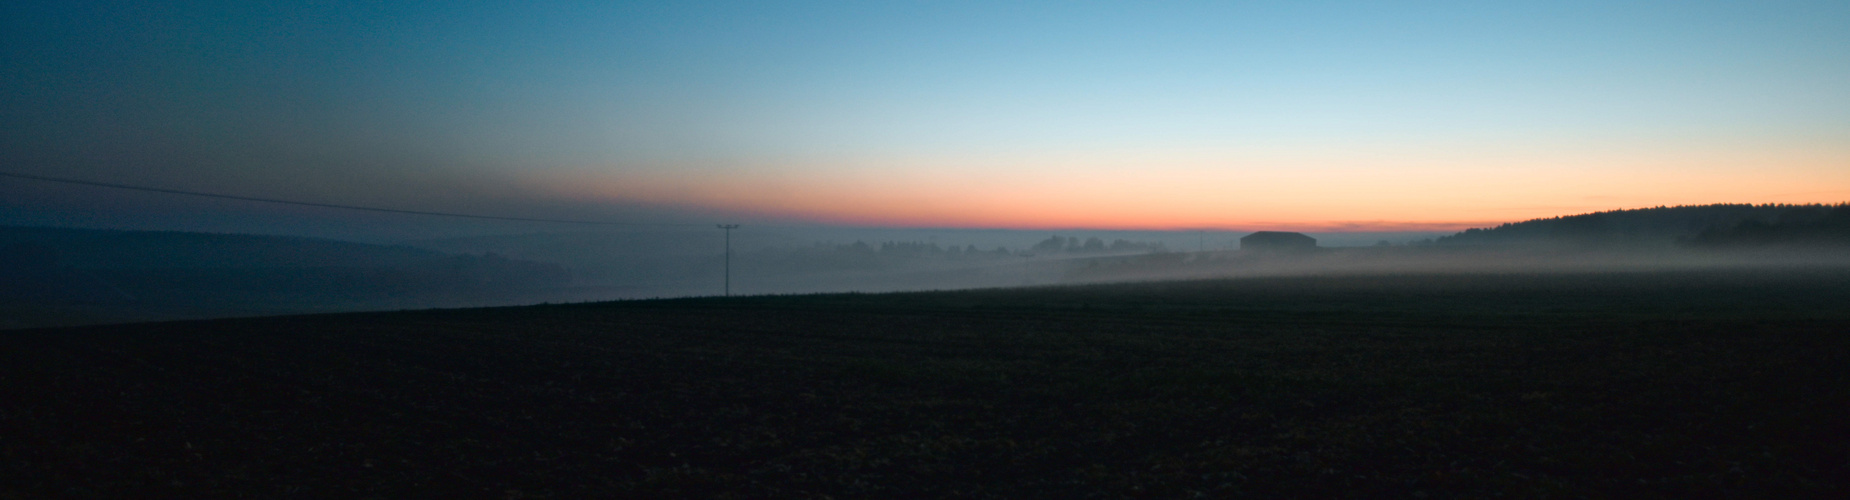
point(1277, 241)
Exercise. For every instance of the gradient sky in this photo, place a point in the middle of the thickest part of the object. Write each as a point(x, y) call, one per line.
point(1234, 115)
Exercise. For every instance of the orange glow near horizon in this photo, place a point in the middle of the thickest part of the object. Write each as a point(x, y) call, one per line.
point(1356, 192)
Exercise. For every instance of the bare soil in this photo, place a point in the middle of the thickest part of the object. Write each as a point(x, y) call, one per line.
point(1662, 384)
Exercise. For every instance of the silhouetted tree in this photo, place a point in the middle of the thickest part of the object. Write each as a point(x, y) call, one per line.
point(1050, 245)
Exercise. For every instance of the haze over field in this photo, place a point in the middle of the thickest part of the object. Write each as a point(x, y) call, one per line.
point(61, 276)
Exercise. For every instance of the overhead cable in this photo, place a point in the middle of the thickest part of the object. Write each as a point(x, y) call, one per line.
point(324, 205)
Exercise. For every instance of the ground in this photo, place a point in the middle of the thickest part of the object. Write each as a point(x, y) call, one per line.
point(1664, 384)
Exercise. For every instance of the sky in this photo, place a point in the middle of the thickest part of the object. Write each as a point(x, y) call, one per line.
point(1317, 116)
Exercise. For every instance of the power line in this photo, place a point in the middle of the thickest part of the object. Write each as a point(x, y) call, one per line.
point(323, 205)
point(728, 228)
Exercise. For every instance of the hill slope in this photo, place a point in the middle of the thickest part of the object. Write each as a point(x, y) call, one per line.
point(1721, 224)
point(52, 276)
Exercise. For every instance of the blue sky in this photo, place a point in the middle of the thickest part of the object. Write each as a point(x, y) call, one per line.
point(1175, 114)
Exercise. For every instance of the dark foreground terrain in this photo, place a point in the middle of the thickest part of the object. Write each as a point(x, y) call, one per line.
point(1664, 384)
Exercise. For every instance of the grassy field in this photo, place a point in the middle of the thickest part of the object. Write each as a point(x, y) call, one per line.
point(1661, 384)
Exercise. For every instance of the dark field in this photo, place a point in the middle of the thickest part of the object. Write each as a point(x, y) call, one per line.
point(1664, 384)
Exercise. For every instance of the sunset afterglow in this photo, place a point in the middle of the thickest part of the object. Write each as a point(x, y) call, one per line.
point(1395, 190)
point(1309, 115)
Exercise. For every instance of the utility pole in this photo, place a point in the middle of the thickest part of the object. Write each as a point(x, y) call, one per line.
point(728, 228)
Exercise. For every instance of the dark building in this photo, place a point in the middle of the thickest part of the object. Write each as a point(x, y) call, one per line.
point(1277, 241)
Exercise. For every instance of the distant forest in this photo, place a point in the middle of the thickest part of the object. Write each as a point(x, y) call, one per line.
point(1702, 226)
point(901, 255)
point(1052, 245)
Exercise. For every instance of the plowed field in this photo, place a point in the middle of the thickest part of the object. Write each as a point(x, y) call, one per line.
point(1716, 383)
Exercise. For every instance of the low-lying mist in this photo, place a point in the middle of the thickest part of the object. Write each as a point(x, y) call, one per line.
point(644, 265)
point(59, 276)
